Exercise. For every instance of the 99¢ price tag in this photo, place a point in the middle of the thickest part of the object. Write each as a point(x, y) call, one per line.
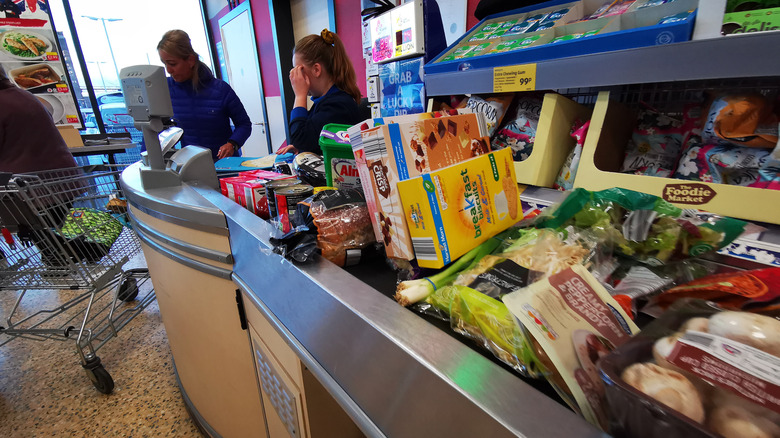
point(514, 78)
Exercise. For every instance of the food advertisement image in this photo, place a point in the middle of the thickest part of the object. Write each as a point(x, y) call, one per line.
point(30, 58)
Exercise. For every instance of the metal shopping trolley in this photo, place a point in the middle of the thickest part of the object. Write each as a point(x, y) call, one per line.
point(67, 231)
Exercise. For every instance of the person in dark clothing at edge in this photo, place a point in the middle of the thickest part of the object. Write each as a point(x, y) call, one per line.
point(203, 105)
point(29, 140)
point(323, 70)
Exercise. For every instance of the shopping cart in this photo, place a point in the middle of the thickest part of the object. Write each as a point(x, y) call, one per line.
point(67, 231)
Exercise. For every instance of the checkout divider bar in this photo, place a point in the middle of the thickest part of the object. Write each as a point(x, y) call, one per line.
point(194, 264)
point(210, 254)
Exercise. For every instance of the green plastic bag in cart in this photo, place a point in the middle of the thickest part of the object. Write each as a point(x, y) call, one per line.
point(90, 233)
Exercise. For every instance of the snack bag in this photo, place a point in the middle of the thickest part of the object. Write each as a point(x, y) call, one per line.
point(721, 163)
point(519, 130)
point(565, 179)
point(742, 120)
point(575, 322)
point(493, 107)
point(654, 146)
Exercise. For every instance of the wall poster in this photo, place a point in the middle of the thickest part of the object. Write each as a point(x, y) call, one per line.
point(31, 58)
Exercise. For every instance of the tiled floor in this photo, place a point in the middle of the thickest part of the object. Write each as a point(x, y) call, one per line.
point(44, 391)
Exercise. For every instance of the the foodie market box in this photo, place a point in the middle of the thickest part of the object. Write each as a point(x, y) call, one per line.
point(389, 153)
point(558, 29)
point(553, 140)
point(604, 152)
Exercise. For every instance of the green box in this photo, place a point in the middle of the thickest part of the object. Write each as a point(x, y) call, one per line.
point(759, 20)
point(340, 169)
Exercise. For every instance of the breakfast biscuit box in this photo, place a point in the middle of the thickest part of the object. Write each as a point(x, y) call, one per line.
point(452, 210)
point(388, 154)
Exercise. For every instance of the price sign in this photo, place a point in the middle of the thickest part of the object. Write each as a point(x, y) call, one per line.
point(62, 88)
point(72, 118)
point(52, 56)
point(514, 78)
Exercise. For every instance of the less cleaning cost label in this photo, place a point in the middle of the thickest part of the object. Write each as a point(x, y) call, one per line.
point(514, 78)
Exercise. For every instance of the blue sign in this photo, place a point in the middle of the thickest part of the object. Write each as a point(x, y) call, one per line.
point(401, 87)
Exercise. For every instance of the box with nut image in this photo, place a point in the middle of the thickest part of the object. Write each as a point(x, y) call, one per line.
point(452, 210)
point(388, 154)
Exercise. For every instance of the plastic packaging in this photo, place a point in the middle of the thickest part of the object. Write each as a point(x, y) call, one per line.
point(716, 361)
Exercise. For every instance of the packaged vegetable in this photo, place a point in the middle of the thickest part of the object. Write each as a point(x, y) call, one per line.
point(518, 131)
point(576, 322)
point(754, 290)
point(643, 226)
point(696, 371)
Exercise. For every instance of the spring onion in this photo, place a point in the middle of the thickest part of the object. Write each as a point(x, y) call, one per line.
point(412, 291)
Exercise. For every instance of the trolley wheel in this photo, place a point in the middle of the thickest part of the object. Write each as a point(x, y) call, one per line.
point(100, 378)
point(128, 290)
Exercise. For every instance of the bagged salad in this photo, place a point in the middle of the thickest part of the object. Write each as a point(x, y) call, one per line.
point(642, 226)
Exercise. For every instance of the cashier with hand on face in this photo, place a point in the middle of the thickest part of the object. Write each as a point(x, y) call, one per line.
point(203, 106)
point(323, 70)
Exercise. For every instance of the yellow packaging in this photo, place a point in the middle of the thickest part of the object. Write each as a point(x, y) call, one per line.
point(452, 210)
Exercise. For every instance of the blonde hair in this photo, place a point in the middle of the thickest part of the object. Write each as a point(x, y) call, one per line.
point(177, 43)
point(328, 50)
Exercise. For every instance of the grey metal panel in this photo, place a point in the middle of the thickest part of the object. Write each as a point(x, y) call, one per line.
point(199, 251)
point(748, 55)
point(407, 376)
point(353, 410)
point(194, 264)
point(180, 202)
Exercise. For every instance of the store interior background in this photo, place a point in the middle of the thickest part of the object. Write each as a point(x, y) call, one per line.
point(119, 33)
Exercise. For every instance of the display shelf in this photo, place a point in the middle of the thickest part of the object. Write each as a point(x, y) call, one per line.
point(738, 56)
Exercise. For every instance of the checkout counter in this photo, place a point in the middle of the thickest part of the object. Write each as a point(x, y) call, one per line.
point(265, 348)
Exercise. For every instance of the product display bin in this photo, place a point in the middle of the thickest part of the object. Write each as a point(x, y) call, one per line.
point(603, 154)
point(553, 141)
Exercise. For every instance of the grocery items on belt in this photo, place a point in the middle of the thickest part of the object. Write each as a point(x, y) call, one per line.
point(755, 290)
point(696, 371)
point(643, 226)
point(309, 168)
point(454, 209)
point(340, 168)
point(576, 322)
point(387, 154)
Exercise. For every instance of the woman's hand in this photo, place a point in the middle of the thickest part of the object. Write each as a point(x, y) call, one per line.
point(299, 81)
point(286, 149)
point(226, 150)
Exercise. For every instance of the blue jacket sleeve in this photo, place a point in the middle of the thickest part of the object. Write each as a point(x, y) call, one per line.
point(241, 121)
point(305, 132)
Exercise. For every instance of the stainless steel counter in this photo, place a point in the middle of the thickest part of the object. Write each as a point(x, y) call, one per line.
point(394, 373)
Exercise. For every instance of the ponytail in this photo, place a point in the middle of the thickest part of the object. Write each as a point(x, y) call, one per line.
point(328, 50)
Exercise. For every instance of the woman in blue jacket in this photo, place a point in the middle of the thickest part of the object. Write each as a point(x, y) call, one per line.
point(323, 70)
point(203, 105)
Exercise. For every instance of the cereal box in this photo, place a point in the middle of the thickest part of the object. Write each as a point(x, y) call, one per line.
point(452, 210)
point(388, 154)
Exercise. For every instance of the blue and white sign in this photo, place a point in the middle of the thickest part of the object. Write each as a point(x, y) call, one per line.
point(401, 87)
